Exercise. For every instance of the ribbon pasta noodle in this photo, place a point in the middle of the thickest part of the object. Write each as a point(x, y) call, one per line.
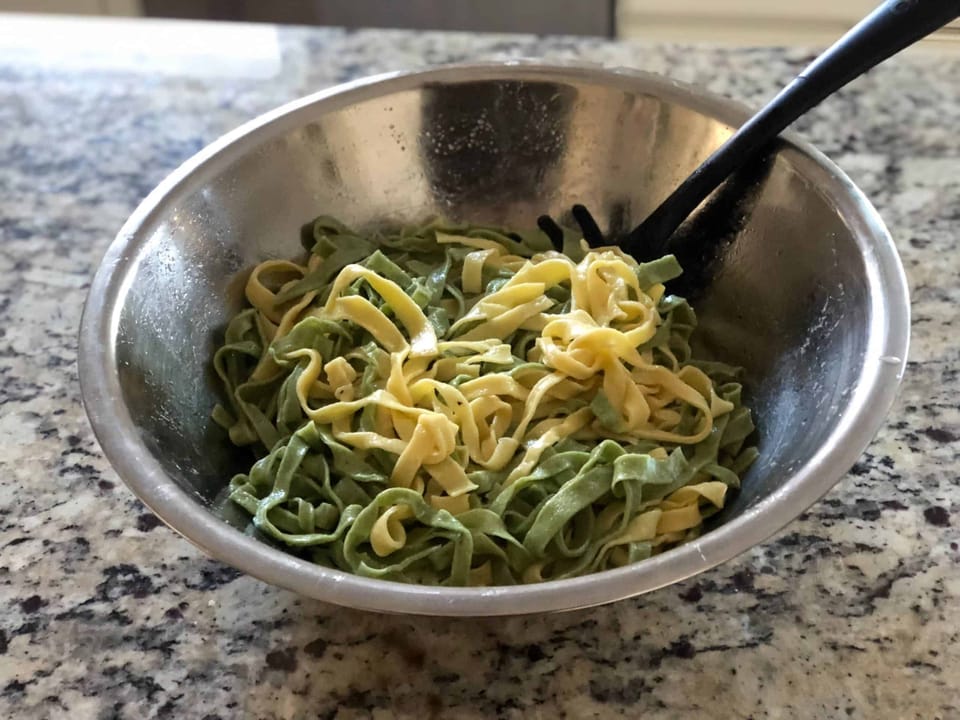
point(462, 406)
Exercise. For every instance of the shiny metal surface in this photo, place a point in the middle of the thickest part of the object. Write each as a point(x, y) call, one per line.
point(810, 297)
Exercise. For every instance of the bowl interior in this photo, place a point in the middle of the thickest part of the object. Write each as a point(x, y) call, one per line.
point(790, 293)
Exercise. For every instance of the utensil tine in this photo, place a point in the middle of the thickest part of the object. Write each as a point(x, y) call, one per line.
point(552, 230)
point(591, 231)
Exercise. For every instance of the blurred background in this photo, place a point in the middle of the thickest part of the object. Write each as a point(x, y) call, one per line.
point(741, 22)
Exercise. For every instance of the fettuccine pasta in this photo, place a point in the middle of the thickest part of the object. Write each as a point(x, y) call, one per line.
point(460, 406)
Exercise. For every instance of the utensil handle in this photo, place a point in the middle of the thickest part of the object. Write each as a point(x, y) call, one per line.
point(890, 28)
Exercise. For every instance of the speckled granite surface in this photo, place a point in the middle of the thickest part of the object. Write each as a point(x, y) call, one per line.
point(849, 612)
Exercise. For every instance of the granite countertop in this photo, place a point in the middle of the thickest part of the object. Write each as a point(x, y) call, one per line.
point(851, 611)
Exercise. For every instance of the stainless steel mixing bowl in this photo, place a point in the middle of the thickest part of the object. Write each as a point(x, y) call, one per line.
point(810, 297)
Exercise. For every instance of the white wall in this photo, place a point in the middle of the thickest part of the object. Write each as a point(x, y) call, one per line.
point(743, 22)
point(73, 7)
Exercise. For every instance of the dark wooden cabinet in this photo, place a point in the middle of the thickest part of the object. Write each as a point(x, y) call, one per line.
point(573, 17)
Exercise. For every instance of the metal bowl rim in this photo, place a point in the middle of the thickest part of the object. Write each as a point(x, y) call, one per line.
point(133, 462)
